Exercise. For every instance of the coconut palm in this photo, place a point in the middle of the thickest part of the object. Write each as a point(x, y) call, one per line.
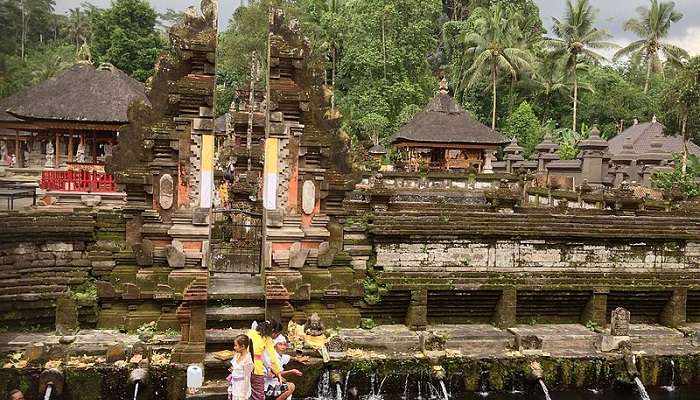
point(78, 26)
point(551, 78)
point(576, 41)
point(652, 27)
point(494, 48)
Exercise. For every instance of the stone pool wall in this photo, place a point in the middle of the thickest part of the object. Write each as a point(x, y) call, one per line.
point(48, 255)
point(446, 265)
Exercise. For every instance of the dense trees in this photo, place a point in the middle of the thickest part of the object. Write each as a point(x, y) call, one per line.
point(125, 36)
point(37, 43)
point(383, 60)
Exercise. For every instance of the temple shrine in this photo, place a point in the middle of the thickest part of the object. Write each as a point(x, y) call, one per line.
point(444, 137)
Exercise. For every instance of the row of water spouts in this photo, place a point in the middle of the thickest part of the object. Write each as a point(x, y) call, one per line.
point(427, 389)
point(51, 381)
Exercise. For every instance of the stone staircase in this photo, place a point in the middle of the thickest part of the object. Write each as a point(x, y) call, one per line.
point(234, 302)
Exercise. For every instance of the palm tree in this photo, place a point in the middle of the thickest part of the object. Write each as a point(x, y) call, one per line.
point(551, 78)
point(652, 26)
point(495, 48)
point(78, 26)
point(576, 40)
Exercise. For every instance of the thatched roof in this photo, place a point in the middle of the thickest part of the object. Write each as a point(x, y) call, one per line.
point(444, 121)
point(642, 135)
point(82, 93)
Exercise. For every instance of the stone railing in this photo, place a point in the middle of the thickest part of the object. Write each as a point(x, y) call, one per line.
point(399, 180)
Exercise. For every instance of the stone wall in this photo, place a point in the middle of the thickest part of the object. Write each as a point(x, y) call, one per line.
point(49, 255)
point(515, 265)
point(517, 255)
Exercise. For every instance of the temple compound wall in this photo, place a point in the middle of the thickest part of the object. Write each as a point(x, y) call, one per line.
point(529, 265)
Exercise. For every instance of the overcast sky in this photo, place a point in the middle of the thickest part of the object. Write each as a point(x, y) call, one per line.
point(611, 16)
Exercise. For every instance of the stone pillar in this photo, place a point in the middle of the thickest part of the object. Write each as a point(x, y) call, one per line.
point(596, 308)
point(66, 316)
point(594, 156)
point(673, 314)
point(417, 314)
point(505, 315)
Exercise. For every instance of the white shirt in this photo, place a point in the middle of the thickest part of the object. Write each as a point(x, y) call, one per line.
point(270, 378)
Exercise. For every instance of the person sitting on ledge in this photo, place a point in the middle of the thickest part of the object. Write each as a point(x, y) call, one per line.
point(274, 389)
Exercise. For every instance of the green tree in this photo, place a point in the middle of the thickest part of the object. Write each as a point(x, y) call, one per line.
point(681, 102)
point(125, 36)
point(494, 48)
point(524, 125)
point(652, 26)
point(613, 102)
point(383, 67)
point(683, 178)
point(577, 39)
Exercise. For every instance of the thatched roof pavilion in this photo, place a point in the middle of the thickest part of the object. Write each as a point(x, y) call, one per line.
point(446, 136)
point(82, 104)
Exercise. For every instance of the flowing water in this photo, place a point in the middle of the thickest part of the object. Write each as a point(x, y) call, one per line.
point(444, 390)
point(544, 390)
point(405, 388)
point(643, 395)
point(136, 391)
point(672, 385)
point(47, 394)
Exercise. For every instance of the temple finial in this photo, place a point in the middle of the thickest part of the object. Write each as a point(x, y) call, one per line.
point(443, 86)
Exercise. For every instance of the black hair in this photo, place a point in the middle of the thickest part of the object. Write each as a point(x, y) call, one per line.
point(267, 328)
point(244, 341)
point(12, 393)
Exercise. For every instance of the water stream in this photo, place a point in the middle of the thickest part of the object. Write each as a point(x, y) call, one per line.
point(544, 389)
point(672, 385)
point(444, 390)
point(641, 390)
point(49, 389)
point(338, 392)
point(136, 390)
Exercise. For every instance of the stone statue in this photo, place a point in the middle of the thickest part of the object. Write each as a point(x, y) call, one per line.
point(108, 150)
point(488, 167)
point(315, 337)
point(49, 155)
point(314, 326)
point(3, 151)
point(80, 153)
point(25, 157)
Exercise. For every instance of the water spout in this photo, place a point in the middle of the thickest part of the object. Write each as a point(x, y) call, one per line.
point(672, 385)
point(483, 388)
point(544, 389)
point(338, 392)
point(641, 389)
point(49, 389)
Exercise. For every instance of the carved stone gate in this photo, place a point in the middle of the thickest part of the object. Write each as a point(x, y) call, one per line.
point(236, 242)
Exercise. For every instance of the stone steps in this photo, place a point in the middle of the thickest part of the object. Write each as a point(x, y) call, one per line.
point(211, 390)
point(232, 313)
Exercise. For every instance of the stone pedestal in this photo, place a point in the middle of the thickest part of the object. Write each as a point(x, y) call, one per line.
point(674, 312)
point(417, 314)
point(66, 316)
point(504, 316)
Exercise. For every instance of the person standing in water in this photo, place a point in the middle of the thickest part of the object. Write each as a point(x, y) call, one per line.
point(262, 336)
